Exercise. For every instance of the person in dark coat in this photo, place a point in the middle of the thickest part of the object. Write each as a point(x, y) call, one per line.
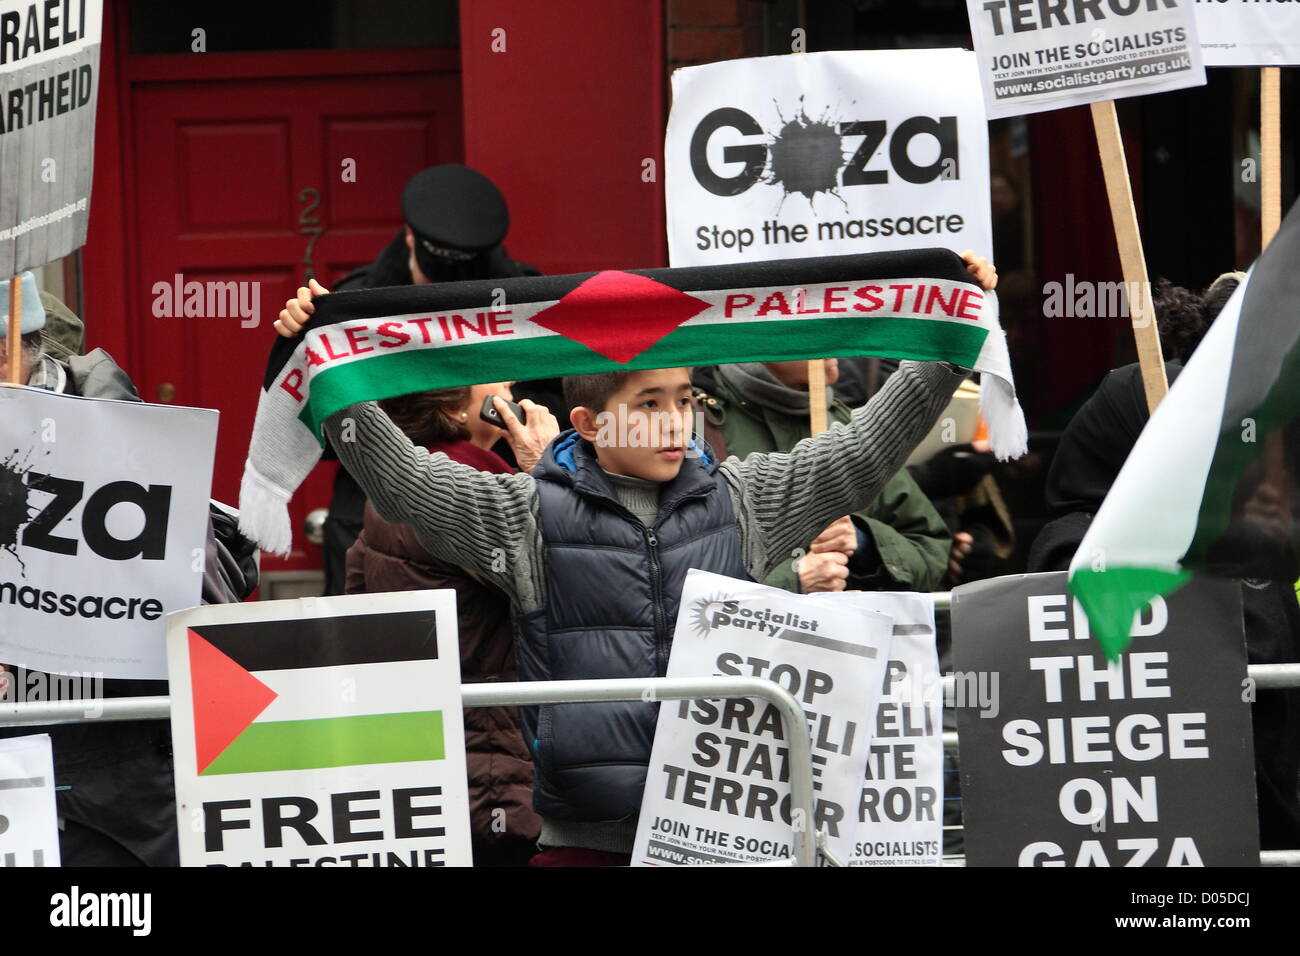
point(388, 557)
point(455, 221)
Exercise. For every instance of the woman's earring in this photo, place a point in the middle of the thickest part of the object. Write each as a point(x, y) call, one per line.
point(464, 415)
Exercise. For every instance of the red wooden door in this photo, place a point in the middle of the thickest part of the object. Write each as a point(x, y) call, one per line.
point(244, 171)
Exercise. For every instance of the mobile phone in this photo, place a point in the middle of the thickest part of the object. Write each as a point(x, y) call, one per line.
point(489, 413)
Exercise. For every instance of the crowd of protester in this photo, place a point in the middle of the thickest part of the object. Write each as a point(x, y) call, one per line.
point(433, 495)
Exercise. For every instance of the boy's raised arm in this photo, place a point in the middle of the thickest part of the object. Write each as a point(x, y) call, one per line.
point(473, 519)
point(791, 496)
point(479, 521)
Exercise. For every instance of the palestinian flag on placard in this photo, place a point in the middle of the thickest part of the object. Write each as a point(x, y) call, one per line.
point(1213, 483)
point(378, 343)
point(313, 693)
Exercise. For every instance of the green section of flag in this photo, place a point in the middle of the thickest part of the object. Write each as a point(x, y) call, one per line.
point(333, 742)
point(1112, 598)
point(412, 370)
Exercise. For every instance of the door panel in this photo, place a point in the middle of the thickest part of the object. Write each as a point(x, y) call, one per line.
point(243, 180)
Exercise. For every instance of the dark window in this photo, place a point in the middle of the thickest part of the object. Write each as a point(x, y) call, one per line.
point(236, 26)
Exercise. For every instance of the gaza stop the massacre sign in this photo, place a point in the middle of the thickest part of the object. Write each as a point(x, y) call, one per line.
point(785, 157)
point(1146, 762)
point(1037, 55)
point(103, 524)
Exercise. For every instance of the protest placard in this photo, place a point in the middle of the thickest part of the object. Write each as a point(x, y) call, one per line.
point(1144, 762)
point(900, 815)
point(1043, 56)
point(103, 519)
point(49, 78)
point(29, 821)
point(826, 154)
point(718, 788)
point(320, 732)
point(1248, 33)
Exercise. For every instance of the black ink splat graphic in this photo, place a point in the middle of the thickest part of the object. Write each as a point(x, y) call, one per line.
point(15, 509)
point(807, 155)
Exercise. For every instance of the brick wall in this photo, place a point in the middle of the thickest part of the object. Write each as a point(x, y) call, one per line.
point(702, 31)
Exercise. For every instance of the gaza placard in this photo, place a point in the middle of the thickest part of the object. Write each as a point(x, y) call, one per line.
point(718, 787)
point(1037, 55)
point(785, 157)
point(1146, 761)
point(103, 524)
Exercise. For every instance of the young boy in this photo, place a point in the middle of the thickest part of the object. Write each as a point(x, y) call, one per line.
point(593, 547)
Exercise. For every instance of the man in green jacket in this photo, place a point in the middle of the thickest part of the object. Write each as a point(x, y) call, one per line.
point(899, 543)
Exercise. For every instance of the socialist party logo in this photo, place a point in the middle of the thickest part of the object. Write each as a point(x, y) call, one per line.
point(808, 156)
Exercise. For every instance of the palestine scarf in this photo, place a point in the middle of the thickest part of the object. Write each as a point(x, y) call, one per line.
point(1213, 483)
point(377, 343)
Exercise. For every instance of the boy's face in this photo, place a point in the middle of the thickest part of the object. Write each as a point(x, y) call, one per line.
point(645, 427)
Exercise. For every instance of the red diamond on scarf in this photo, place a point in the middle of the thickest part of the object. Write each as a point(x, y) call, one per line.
point(619, 315)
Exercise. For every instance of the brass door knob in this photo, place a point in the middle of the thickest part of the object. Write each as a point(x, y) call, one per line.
point(166, 393)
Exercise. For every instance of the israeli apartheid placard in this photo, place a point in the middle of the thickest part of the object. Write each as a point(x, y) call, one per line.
point(900, 815)
point(1037, 55)
point(320, 732)
point(785, 157)
point(718, 788)
point(49, 79)
point(1248, 32)
point(29, 821)
point(1144, 762)
point(103, 522)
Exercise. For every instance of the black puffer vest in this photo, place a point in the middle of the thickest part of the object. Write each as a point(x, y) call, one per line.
point(612, 588)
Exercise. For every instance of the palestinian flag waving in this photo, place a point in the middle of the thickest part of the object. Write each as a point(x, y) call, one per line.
point(1212, 483)
point(378, 343)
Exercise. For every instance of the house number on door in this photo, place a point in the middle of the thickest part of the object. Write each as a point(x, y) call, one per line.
point(309, 225)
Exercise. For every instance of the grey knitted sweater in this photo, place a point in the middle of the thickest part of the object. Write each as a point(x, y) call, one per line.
point(489, 523)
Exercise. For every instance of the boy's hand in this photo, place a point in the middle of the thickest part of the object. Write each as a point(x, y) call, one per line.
point(528, 441)
point(298, 310)
point(981, 269)
point(826, 571)
point(839, 536)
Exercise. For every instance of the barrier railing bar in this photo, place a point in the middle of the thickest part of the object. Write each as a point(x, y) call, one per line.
point(793, 720)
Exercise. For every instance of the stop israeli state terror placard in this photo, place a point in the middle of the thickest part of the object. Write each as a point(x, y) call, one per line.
point(103, 528)
point(49, 80)
point(787, 157)
point(718, 787)
point(1037, 55)
point(320, 732)
point(1145, 762)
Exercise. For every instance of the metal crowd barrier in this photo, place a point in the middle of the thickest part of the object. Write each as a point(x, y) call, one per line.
point(793, 722)
point(1265, 676)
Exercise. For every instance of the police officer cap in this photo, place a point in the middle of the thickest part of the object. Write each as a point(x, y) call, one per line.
point(455, 212)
